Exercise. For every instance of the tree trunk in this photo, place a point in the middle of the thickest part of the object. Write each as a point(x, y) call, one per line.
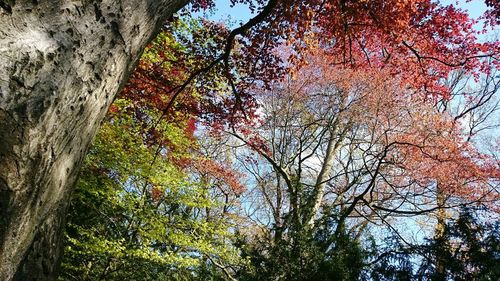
point(439, 232)
point(61, 64)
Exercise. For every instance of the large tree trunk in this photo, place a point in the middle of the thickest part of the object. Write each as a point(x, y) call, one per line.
point(61, 64)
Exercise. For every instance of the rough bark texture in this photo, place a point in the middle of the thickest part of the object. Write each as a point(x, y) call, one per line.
point(61, 64)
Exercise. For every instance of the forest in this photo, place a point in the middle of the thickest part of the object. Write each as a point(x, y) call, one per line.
point(310, 140)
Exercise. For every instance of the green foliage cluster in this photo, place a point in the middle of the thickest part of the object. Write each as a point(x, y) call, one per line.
point(140, 211)
point(137, 216)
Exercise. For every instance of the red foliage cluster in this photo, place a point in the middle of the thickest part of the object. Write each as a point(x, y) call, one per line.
point(419, 147)
point(418, 40)
point(163, 82)
point(494, 13)
point(220, 172)
point(156, 193)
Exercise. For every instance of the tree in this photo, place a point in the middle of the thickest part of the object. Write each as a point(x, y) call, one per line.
point(63, 62)
point(148, 204)
point(134, 217)
point(354, 148)
point(469, 247)
point(321, 256)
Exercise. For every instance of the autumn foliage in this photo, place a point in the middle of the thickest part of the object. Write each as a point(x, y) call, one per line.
point(421, 41)
point(280, 149)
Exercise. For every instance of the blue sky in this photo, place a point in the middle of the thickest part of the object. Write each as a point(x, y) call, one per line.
point(475, 8)
point(238, 14)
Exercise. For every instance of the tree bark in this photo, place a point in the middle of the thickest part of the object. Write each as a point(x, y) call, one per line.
point(61, 64)
point(439, 232)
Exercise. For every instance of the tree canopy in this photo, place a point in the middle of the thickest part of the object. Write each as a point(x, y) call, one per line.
point(323, 139)
point(286, 156)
